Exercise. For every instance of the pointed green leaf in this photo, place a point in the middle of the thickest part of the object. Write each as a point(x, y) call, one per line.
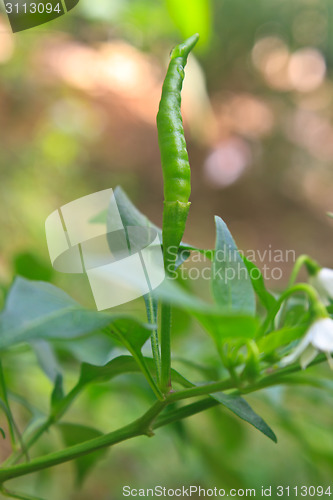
point(231, 283)
point(242, 409)
point(74, 434)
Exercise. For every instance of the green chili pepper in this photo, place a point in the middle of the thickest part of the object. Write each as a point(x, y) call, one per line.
point(177, 182)
point(174, 157)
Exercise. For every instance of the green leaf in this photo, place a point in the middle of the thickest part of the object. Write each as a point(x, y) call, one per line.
point(2, 432)
point(37, 310)
point(171, 292)
point(129, 214)
point(239, 407)
point(219, 323)
point(131, 333)
point(242, 409)
point(74, 434)
point(281, 337)
point(119, 366)
point(231, 283)
point(266, 298)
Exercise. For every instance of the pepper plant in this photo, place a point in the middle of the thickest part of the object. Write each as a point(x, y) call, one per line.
point(262, 339)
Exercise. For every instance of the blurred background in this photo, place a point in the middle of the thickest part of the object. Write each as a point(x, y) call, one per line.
point(78, 102)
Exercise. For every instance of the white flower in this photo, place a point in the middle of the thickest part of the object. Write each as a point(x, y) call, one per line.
point(319, 338)
point(323, 283)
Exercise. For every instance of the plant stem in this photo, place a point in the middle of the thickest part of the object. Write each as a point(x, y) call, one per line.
point(165, 348)
point(312, 294)
point(151, 314)
point(140, 427)
point(63, 407)
point(70, 453)
point(310, 264)
point(312, 267)
point(147, 423)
